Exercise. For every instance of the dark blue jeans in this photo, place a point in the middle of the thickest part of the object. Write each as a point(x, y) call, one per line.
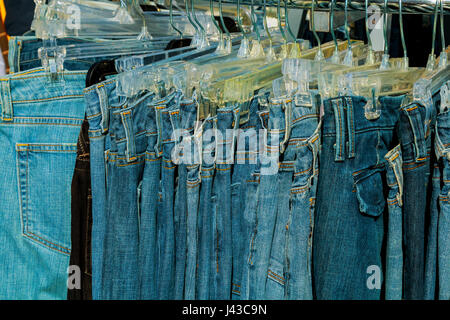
point(415, 138)
point(125, 163)
point(349, 228)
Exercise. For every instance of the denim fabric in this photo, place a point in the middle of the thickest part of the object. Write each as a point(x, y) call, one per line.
point(257, 264)
point(206, 211)
point(304, 143)
point(125, 165)
point(149, 200)
point(191, 160)
point(242, 188)
point(443, 153)
point(394, 250)
point(41, 121)
point(227, 123)
point(180, 229)
point(348, 228)
point(100, 100)
point(251, 203)
point(415, 138)
point(169, 121)
point(432, 241)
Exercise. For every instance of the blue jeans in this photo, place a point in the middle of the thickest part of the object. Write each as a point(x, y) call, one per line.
point(227, 123)
point(168, 121)
point(243, 189)
point(206, 212)
point(415, 138)
point(442, 152)
point(100, 99)
point(149, 202)
point(125, 165)
point(40, 124)
point(258, 254)
point(251, 210)
point(191, 161)
point(394, 250)
point(348, 228)
point(304, 144)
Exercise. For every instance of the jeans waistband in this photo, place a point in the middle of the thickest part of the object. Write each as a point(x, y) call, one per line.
point(344, 117)
point(100, 99)
point(34, 86)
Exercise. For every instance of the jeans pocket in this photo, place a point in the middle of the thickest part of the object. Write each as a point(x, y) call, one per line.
point(369, 191)
point(44, 173)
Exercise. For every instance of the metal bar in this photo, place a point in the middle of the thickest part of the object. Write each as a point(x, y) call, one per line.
point(409, 6)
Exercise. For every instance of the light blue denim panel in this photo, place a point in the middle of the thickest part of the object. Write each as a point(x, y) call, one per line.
point(101, 100)
point(394, 250)
point(443, 153)
point(41, 121)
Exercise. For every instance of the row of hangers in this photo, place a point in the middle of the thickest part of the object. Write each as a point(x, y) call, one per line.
point(232, 68)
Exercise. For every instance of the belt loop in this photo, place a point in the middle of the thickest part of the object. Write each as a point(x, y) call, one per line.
point(350, 128)
point(127, 121)
point(314, 144)
point(418, 131)
point(103, 99)
point(340, 128)
point(395, 162)
point(7, 109)
point(287, 104)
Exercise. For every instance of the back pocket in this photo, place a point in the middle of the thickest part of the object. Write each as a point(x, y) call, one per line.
point(44, 173)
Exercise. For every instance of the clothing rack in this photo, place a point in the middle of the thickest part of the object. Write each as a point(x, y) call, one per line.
point(408, 6)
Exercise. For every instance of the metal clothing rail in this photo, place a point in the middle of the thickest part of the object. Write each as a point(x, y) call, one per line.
point(409, 6)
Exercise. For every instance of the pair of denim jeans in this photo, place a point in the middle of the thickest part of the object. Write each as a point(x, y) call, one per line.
point(278, 248)
point(415, 134)
point(349, 226)
point(443, 223)
point(289, 272)
point(40, 133)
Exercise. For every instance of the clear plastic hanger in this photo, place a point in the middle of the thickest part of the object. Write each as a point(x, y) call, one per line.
point(102, 19)
point(375, 83)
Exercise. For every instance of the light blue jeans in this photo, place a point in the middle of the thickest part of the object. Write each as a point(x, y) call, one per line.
point(40, 123)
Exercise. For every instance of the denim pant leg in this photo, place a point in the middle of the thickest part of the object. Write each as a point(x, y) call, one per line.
point(149, 201)
point(227, 122)
point(245, 164)
point(187, 151)
point(349, 226)
point(415, 139)
point(432, 243)
point(98, 99)
point(443, 154)
point(304, 143)
point(394, 250)
point(126, 161)
point(251, 209)
point(261, 238)
point(206, 212)
point(168, 123)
